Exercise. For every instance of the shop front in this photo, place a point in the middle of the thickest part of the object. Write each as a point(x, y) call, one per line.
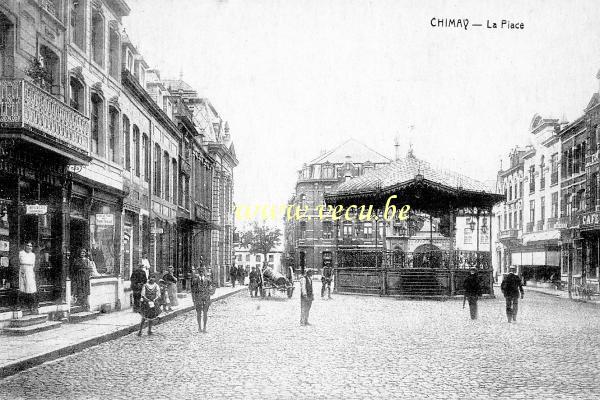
point(590, 249)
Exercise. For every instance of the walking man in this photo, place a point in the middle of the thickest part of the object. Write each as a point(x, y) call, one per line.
point(202, 289)
point(511, 286)
point(233, 275)
point(138, 279)
point(306, 296)
point(472, 288)
point(326, 280)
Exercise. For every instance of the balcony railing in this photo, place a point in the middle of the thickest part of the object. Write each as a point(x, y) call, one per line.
point(550, 223)
point(24, 105)
point(508, 234)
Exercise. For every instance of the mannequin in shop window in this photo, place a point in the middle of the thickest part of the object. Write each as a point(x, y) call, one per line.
point(80, 274)
point(27, 285)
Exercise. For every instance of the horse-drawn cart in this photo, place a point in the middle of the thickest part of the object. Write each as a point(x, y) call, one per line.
point(273, 280)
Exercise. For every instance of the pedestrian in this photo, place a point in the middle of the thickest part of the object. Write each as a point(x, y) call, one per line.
point(27, 286)
point(138, 279)
point(326, 279)
point(511, 286)
point(472, 288)
point(164, 296)
point(202, 289)
point(306, 296)
point(233, 275)
point(146, 264)
point(241, 272)
point(150, 303)
point(253, 286)
point(82, 270)
point(171, 281)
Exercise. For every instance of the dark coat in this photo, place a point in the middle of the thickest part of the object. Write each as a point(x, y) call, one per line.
point(138, 279)
point(511, 286)
point(472, 285)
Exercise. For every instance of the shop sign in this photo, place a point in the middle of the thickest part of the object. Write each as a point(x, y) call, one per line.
point(105, 219)
point(590, 219)
point(36, 209)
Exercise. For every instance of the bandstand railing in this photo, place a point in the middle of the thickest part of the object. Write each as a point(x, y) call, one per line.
point(435, 259)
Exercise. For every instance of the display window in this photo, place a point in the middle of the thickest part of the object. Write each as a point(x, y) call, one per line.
point(102, 239)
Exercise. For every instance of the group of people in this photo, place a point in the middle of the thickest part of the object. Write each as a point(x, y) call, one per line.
point(237, 274)
point(512, 289)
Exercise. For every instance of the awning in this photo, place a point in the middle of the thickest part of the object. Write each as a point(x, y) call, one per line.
point(536, 258)
point(545, 236)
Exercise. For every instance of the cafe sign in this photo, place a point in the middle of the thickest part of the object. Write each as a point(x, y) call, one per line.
point(105, 219)
point(36, 209)
point(590, 219)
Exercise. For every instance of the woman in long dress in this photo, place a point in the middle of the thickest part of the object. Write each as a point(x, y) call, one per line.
point(82, 271)
point(27, 285)
point(171, 282)
point(150, 303)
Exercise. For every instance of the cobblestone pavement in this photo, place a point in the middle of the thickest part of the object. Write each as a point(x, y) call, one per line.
point(358, 347)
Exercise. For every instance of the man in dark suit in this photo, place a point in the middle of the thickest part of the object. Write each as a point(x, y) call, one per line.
point(511, 286)
point(306, 296)
point(138, 279)
point(472, 288)
point(202, 289)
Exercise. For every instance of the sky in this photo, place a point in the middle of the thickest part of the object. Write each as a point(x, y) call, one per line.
point(293, 78)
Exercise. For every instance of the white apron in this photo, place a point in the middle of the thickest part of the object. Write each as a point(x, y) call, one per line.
point(26, 273)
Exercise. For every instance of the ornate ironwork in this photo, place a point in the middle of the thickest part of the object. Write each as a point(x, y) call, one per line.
point(433, 259)
point(25, 105)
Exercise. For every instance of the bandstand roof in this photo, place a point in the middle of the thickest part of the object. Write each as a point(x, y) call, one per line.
point(418, 184)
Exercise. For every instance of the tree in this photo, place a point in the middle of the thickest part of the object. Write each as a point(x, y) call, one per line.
point(261, 239)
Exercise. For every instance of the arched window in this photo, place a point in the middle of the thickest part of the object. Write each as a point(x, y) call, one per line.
point(136, 150)
point(76, 94)
point(113, 132)
point(98, 37)
point(127, 142)
point(96, 118)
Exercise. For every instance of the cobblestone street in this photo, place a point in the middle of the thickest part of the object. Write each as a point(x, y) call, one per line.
point(357, 347)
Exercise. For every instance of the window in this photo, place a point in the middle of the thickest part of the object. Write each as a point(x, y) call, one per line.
point(302, 233)
point(554, 169)
point(98, 38)
point(532, 179)
point(76, 95)
point(555, 205)
point(367, 230)
point(532, 211)
point(327, 171)
point(146, 147)
point(516, 223)
point(7, 48)
point(113, 123)
point(271, 258)
point(239, 258)
point(542, 208)
point(521, 189)
point(347, 229)
point(136, 150)
point(77, 23)
point(102, 239)
point(520, 219)
point(113, 54)
point(505, 221)
point(50, 62)
point(157, 169)
point(542, 176)
point(96, 123)
point(593, 185)
point(247, 257)
point(358, 229)
point(257, 258)
point(174, 180)
point(327, 229)
point(166, 175)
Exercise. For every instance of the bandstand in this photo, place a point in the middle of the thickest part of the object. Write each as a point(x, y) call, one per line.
point(428, 270)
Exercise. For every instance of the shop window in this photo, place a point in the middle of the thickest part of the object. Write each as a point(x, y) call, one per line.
point(102, 239)
point(7, 48)
point(76, 94)
point(113, 54)
point(97, 37)
point(78, 23)
point(127, 142)
point(113, 123)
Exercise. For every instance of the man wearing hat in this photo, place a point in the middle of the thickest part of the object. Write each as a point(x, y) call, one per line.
point(511, 286)
point(472, 288)
point(306, 296)
point(202, 288)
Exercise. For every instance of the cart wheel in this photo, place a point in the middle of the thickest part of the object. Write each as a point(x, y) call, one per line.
point(290, 292)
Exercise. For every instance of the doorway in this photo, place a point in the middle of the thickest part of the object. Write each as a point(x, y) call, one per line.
point(78, 232)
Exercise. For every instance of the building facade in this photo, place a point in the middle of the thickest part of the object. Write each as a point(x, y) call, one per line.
point(99, 154)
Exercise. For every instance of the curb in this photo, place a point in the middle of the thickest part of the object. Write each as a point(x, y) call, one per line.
point(34, 361)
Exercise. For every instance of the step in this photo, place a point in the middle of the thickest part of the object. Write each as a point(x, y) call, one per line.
point(29, 320)
point(29, 330)
point(83, 316)
point(77, 309)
